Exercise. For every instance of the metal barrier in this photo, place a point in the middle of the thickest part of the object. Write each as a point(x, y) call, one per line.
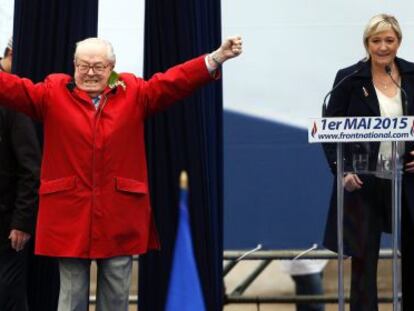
point(266, 257)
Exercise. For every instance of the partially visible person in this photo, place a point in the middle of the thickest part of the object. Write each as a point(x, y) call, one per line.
point(369, 90)
point(19, 181)
point(6, 61)
point(308, 278)
point(94, 196)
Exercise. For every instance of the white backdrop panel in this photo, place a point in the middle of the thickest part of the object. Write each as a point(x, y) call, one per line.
point(292, 50)
point(123, 25)
point(6, 23)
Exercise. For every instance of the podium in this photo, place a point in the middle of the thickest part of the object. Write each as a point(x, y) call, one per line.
point(358, 133)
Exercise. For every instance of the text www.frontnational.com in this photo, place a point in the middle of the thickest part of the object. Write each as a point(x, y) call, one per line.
point(371, 135)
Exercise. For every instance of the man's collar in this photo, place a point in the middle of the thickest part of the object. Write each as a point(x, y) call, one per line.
point(71, 86)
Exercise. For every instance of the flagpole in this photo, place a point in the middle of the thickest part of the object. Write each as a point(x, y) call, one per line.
point(185, 292)
point(183, 180)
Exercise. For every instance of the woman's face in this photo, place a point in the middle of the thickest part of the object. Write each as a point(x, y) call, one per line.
point(383, 47)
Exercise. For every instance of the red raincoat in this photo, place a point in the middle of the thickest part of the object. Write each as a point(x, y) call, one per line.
point(94, 200)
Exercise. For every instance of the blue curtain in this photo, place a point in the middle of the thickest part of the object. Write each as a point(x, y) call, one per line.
point(45, 33)
point(188, 136)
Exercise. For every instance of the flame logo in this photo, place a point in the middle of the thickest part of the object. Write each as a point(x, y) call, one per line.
point(412, 129)
point(315, 129)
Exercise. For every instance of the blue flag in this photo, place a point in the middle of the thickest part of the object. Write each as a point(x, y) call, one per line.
point(184, 293)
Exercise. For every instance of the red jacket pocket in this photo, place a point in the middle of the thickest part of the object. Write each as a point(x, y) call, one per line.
point(130, 185)
point(57, 185)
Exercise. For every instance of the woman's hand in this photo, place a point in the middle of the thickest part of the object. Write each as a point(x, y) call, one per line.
point(352, 182)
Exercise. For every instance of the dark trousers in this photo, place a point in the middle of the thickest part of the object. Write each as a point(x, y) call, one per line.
point(13, 295)
point(364, 296)
point(309, 284)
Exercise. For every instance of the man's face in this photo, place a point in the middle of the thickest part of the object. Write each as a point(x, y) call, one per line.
point(92, 70)
point(7, 60)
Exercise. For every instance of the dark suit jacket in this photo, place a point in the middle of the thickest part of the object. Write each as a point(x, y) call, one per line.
point(19, 174)
point(356, 96)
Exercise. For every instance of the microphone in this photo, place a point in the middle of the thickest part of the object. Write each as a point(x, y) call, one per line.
point(388, 70)
point(336, 86)
point(257, 248)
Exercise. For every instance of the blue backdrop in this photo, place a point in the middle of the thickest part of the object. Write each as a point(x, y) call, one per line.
point(276, 185)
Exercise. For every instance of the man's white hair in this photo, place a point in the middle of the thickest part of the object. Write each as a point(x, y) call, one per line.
point(96, 42)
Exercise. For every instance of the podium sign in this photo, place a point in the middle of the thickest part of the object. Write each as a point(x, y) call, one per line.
point(365, 129)
point(360, 129)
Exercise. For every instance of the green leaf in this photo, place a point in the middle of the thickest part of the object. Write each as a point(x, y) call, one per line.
point(113, 78)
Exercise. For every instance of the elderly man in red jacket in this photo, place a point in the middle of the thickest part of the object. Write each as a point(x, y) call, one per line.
point(94, 201)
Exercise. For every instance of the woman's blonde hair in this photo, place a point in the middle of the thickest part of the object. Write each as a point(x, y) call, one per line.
point(380, 23)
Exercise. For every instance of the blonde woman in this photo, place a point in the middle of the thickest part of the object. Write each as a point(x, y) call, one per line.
point(369, 90)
